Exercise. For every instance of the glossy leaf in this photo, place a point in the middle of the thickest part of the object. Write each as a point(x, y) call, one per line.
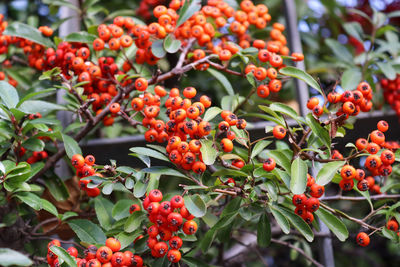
point(63, 255)
point(334, 224)
point(87, 231)
point(71, 146)
point(188, 9)
point(149, 152)
point(134, 221)
point(328, 171)
point(171, 45)
point(226, 84)
point(80, 37)
point(260, 146)
point(195, 205)
point(28, 32)
point(10, 257)
point(318, 130)
point(298, 180)
point(281, 220)
point(302, 75)
point(157, 48)
point(211, 113)
point(297, 222)
point(43, 107)
point(103, 209)
point(8, 94)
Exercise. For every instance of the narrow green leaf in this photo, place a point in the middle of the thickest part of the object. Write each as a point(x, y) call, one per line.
point(149, 152)
point(321, 132)
point(103, 209)
point(281, 220)
point(302, 75)
point(121, 209)
point(80, 37)
point(230, 172)
point(188, 9)
point(43, 107)
point(297, 222)
point(263, 231)
point(328, 171)
point(222, 80)
point(387, 70)
point(260, 146)
point(298, 181)
point(164, 171)
point(71, 146)
point(63, 255)
point(333, 223)
point(340, 51)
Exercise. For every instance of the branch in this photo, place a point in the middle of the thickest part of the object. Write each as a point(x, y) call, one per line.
point(302, 252)
point(225, 69)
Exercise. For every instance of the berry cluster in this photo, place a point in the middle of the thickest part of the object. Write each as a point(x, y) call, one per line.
point(305, 206)
point(351, 102)
point(391, 93)
point(105, 256)
point(167, 218)
point(85, 167)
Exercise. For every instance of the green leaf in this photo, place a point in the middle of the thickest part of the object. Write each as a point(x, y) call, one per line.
point(281, 220)
point(340, 51)
point(71, 146)
point(87, 231)
point(211, 113)
point(328, 171)
point(149, 152)
point(285, 109)
point(164, 171)
point(171, 45)
point(8, 94)
point(28, 32)
point(56, 187)
point(281, 159)
point(260, 146)
point(139, 189)
point(353, 29)
point(297, 222)
point(208, 152)
point(33, 144)
point(278, 118)
point(263, 231)
point(298, 181)
point(188, 9)
point(222, 80)
point(126, 239)
point(103, 209)
point(68, 214)
point(9, 257)
point(230, 172)
point(134, 221)
point(43, 107)
point(63, 255)
point(302, 75)
point(195, 205)
point(387, 69)
point(48, 206)
point(157, 49)
point(351, 78)
point(80, 37)
point(30, 199)
point(321, 132)
point(121, 209)
point(333, 223)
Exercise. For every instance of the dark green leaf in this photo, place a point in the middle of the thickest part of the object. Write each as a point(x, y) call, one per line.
point(281, 159)
point(56, 187)
point(328, 171)
point(302, 75)
point(260, 146)
point(222, 80)
point(297, 222)
point(134, 221)
point(8, 94)
point(103, 209)
point(34, 106)
point(230, 172)
point(298, 180)
point(126, 239)
point(318, 130)
point(333, 223)
point(33, 144)
point(121, 209)
point(164, 171)
point(263, 231)
point(187, 11)
point(195, 205)
point(71, 146)
point(281, 220)
point(63, 255)
point(80, 37)
point(149, 152)
point(87, 231)
point(28, 32)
